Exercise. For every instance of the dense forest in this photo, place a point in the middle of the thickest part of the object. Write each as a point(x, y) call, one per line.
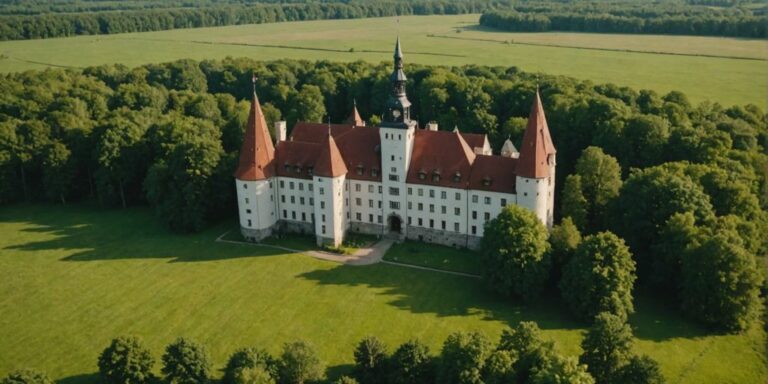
point(663, 174)
point(41, 19)
point(671, 19)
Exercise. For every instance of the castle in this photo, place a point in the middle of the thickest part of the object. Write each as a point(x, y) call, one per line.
point(396, 179)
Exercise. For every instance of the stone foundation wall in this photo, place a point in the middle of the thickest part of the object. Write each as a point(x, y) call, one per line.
point(300, 227)
point(473, 242)
point(256, 235)
point(451, 239)
point(366, 228)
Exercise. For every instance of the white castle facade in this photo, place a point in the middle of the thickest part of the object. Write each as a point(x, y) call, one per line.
point(395, 180)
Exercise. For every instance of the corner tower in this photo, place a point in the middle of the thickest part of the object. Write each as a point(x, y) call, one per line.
point(396, 133)
point(253, 177)
point(329, 176)
point(535, 181)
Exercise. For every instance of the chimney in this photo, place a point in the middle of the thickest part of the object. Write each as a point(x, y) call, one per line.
point(280, 131)
point(432, 126)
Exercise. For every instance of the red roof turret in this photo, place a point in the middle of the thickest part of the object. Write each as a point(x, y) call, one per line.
point(537, 144)
point(257, 155)
point(329, 162)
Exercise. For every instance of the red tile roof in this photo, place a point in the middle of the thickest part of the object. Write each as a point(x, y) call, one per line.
point(257, 153)
point(440, 158)
point(359, 146)
point(537, 144)
point(296, 159)
point(493, 173)
point(329, 161)
point(354, 118)
point(474, 140)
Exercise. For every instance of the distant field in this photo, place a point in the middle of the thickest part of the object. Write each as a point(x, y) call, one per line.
point(75, 277)
point(725, 80)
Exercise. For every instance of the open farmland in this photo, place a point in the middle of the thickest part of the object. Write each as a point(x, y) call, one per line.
point(75, 277)
point(725, 70)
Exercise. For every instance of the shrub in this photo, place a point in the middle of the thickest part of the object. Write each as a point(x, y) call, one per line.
point(26, 376)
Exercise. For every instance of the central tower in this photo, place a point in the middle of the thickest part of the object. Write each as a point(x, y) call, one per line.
point(396, 133)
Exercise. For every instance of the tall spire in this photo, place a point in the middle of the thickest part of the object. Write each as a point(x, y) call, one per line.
point(537, 150)
point(354, 117)
point(257, 153)
point(398, 113)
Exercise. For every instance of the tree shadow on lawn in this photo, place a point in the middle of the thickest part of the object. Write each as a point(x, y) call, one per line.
point(446, 295)
point(79, 379)
point(134, 233)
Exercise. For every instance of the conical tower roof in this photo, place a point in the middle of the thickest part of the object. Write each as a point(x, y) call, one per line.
point(354, 117)
point(509, 150)
point(329, 162)
point(257, 154)
point(537, 144)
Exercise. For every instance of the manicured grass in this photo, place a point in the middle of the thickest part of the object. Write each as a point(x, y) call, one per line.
point(74, 277)
point(435, 256)
point(725, 80)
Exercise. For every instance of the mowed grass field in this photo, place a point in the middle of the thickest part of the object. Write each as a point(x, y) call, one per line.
point(75, 277)
point(731, 71)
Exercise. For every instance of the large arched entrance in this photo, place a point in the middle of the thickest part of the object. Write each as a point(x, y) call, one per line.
point(395, 224)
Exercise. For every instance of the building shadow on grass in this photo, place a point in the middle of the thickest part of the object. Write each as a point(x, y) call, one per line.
point(87, 233)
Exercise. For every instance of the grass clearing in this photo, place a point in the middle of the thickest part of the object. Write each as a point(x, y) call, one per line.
point(725, 80)
point(74, 277)
point(435, 256)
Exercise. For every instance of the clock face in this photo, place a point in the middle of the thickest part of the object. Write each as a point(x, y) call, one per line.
point(396, 113)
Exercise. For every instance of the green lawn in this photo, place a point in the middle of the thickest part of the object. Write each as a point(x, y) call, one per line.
point(435, 256)
point(74, 277)
point(725, 80)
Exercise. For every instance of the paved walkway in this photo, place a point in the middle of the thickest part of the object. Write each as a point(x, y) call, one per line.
point(363, 256)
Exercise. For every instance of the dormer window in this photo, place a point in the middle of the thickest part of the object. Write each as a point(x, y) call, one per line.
point(374, 172)
point(287, 167)
point(457, 177)
point(422, 175)
point(436, 176)
point(360, 170)
point(297, 169)
point(486, 181)
point(310, 171)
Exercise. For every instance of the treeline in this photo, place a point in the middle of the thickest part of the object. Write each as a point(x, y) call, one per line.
point(737, 25)
point(521, 355)
point(47, 25)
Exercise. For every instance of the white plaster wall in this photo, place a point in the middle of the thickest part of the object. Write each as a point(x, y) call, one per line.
point(396, 148)
point(369, 197)
point(329, 208)
point(438, 198)
point(485, 206)
point(255, 204)
point(532, 194)
point(294, 199)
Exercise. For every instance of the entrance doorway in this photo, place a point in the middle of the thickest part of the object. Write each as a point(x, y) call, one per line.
point(395, 224)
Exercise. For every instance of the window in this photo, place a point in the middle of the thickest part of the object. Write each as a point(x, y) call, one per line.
point(323, 229)
point(422, 175)
point(393, 169)
point(420, 222)
point(442, 224)
point(374, 172)
point(247, 211)
point(474, 198)
point(357, 187)
point(370, 218)
point(487, 216)
point(421, 192)
point(410, 191)
point(457, 211)
point(394, 191)
point(394, 205)
point(322, 205)
point(409, 220)
point(249, 222)
point(311, 171)
point(360, 170)
point(379, 201)
point(282, 184)
point(399, 136)
point(358, 201)
point(432, 208)
point(290, 185)
point(393, 177)
point(457, 177)
point(503, 202)
point(474, 215)
point(455, 227)
point(346, 202)
point(379, 219)
point(370, 188)
point(474, 230)
point(287, 167)
point(458, 196)
point(370, 203)
point(303, 216)
point(432, 193)
point(285, 214)
point(322, 191)
point(379, 188)
point(393, 157)
point(436, 176)
point(301, 186)
point(410, 205)
point(487, 200)
point(443, 209)
point(312, 201)
point(245, 186)
point(293, 215)
point(310, 187)
point(443, 195)
point(431, 223)
point(421, 206)
point(246, 200)
point(525, 193)
point(359, 216)
point(282, 198)
point(293, 199)
point(301, 200)
point(323, 218)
